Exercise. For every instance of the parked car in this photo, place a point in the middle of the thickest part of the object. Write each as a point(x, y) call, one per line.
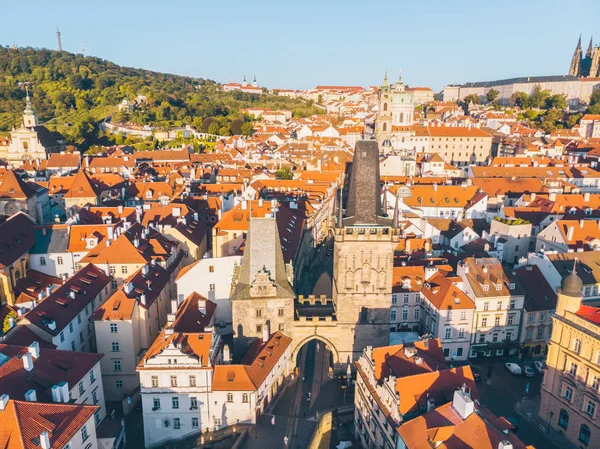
point(529, 372)
point(539, 366)
point(514, 368)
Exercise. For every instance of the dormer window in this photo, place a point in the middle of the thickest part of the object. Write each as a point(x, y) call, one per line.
point(486, 287)
point(498, 287)
point(91, 242)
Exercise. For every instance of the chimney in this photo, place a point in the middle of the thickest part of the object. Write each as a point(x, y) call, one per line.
point(45, 440)
point(463, 404)
point(226, 354)
point(435, 187)
point(260, 202)
point(27, 361)
point(219, 213)
point(570, 231)
point(176, 212)
point(430, 271)
point(64, 388)
point(136, 242)
point(581, 224)
point(533, 195)
point(34, 349)
point(552, 196)
point(72, 294)
point(143, 299)
point(174, 305)
point(56, 393)
point(586, 197)
point(505, 445)
point(111, 232)
point(195, 216)
point(266, 333)
point(31, 396)
point(120, 208)
point(107, 270)
point(430, 404)
point(52, 325)
point(128, 287)
point(3, 401)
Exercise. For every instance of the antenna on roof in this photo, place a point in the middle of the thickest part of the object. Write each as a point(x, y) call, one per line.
point(83, 48)
point(59, 46)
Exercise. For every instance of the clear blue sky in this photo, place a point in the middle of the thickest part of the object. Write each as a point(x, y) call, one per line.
point(300, 44)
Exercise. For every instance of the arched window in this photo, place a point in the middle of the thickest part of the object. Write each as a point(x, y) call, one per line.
point(17, 275)
point(584, 434)
point(25, 145)
point(385, 126)
point(365, 273)
point(576, 345)
point(385, 106)
point(401, 117)
point(563, 419)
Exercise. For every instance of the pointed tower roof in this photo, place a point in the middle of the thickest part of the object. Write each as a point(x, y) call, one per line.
point(385, 80)
point(578, 43)
point(28, 106)
point(571, 285)
point(14, 187)
point(262, 258)
point(82, 186)
point(588, 53)
point(364, 190)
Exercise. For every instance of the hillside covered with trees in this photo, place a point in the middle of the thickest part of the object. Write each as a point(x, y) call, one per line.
point(71, 93)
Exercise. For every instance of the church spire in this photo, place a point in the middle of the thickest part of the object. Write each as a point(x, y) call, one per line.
point(588, 53)
point(385, 80)
point(29, 117)
point(578, 44)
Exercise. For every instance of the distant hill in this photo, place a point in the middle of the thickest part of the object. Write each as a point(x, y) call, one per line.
point(72, 91)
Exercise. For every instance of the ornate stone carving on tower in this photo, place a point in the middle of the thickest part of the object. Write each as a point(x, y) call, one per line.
point(262, 296)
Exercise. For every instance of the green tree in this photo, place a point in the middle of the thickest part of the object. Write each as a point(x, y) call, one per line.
point(520, 99)
point(471, 98)
point(557, 101)
point(213, 128)
point(538, 97)
point(550, 120)
point(284, 173)
point(595, 102)
point(320, 98)
point(531, 114)
point(247, 129)
point(492, 95)
point(83, 129)
point(573, 119)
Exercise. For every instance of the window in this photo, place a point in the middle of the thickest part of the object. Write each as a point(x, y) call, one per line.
point(416, 314)
point(258, 328)
point(195, 423)
point(448, 333)
point(154, 381)
point(123, 269)
point(463, 315)
point(406, 297)
point(446, 352)
point(486, 306)
point(71, 327)
point(84, 433)
point(173, 381)
point(156, 404)
point(211, 269)
point(79, 319)
point(116, 365)
point(459, 352)
point(92, 376)
point(81, 390)
point(511, 319)
point(584, 434)
point(281, 327)
point(59, 260)
point(192, 381)
point(212, 287)
point(113, 328)
point(542, 317)
point(113, 284)
point(112, 270)
point(42, 261)
point(576, 345)
point(531, 318)
point(540, 333)
point(484, 321)
point(176, 423)
point(499, 305)
point(513, 304)
point(405, 315)
point(229, 397)
point(529, 335)
point(497, 320)
point(217, 422)
point(193, 403)
point(590, 408)
point(280, 312)
point(175, 402)
point(568, 395)
point(258, 313)
point(573, 369)
point(73, 346)
point(119, 384)
point(563, 419)
point(449, 315)
point(394, 299)
point(461, 332)
point(598, 358)
point(392, 315)
point(115, 346)
point(596, 383)
point(245, 397)
point(94, 397)
point(62, 337)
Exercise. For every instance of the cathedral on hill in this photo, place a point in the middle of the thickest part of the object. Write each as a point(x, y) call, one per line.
point(588, 65)
point(31, 140)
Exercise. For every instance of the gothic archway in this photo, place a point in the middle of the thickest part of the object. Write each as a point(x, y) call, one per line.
point(329, 345)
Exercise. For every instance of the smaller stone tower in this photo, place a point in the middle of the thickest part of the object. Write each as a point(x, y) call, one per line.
point(569, 293)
